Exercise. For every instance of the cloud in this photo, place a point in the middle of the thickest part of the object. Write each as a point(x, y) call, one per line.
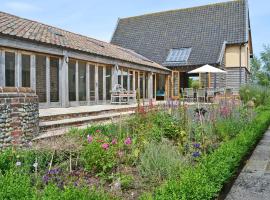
point(21, 6)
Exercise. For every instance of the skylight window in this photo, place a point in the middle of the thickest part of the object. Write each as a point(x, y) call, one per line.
point(178, 55)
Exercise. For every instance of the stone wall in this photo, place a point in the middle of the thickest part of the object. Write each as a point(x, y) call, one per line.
point(19, 116)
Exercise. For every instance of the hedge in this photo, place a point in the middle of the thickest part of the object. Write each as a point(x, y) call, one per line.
point(206, 180)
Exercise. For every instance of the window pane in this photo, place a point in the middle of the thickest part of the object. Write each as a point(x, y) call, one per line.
point(136, 80)
point(141, 85)
point(108, 82)
point(92, 82)
point(26, 70)
point(131, 80)
point(10, 68)
point(41, 78)
point(100, 83)
point(82, 81)
point(72, 80)
point(146, 86)
point(119, 75)
point(125, 78)
point(54, 79)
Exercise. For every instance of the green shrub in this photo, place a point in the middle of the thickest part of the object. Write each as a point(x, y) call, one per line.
point(258, 94)
point(160, 161)
point(206, 179)
point(15, 185)
point(96, 159)
point(51, 192)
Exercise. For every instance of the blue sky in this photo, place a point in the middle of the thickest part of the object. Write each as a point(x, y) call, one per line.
point(98, 18)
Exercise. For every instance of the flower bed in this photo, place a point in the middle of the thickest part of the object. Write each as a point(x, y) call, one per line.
point(207, 179)
point(176, 148)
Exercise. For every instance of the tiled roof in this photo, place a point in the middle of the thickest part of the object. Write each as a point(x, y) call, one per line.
point(204, 29)
point(11, 25)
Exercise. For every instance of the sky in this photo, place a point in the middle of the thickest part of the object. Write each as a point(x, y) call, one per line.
point(98, 18)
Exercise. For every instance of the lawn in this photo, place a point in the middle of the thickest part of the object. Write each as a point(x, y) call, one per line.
point(175, 151)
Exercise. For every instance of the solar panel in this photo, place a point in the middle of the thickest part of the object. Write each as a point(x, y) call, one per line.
point(178, 55)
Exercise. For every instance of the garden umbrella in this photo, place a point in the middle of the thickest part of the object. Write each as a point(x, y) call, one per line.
point(207, 69)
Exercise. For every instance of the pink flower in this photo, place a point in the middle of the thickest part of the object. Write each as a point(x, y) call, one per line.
point(105, 146)
point(114, 141)
point(98, 131)
point(128, 141)
point(89, 138)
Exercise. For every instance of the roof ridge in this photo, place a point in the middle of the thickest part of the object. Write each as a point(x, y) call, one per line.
point(182, 9)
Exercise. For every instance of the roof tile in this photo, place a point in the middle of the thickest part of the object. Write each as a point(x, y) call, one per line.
point(11, 25)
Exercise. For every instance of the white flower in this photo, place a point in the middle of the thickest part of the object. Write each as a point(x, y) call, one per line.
point(35, 165)
point(18, 163)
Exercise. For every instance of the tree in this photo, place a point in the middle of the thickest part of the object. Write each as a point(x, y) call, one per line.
point(260, 67)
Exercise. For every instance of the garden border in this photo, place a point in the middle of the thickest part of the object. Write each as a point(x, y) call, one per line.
point(206, 180)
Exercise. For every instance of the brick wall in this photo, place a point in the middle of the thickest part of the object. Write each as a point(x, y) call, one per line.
point(19, 116)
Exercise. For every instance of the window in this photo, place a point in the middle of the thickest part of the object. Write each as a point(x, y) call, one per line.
point(41, 78)
point(125, 79)
point(26, 70)
point(10, 68)
point(178, 55)
point(100, 82)
point(82, 81)
point(54, 78)
point(72, 80)
point(130, 80)
point(92, 82)
point(108, 82)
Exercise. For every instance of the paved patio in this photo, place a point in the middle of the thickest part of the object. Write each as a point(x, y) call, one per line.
point(81, 109)
point(253, 183)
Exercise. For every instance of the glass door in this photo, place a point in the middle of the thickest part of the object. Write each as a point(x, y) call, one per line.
point(82, 81)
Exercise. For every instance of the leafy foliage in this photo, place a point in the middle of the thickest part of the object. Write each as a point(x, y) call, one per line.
point(160, 161)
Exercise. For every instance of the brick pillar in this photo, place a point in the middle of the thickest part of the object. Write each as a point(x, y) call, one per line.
point(19, 117)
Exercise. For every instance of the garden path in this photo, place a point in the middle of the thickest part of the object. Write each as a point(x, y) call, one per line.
point(253, 183)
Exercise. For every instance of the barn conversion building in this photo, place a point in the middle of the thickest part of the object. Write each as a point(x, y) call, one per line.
point(184, 39)
point(67, 69)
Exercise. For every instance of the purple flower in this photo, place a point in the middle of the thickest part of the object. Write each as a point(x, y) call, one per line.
point(128, 141)
point(105, 146)
point(89, 138)
point(45, 179)
point(196, 154)
point(196, 145)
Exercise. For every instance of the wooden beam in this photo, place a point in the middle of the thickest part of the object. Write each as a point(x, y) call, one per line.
point(33, 71)
point(88, 83)
point(48, 78)
point(104, 83)
point(96, 84)
point(18, 69)
point(209, 80)
point(2, 69)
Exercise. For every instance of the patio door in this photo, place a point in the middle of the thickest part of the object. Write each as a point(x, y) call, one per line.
point(175, 85)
